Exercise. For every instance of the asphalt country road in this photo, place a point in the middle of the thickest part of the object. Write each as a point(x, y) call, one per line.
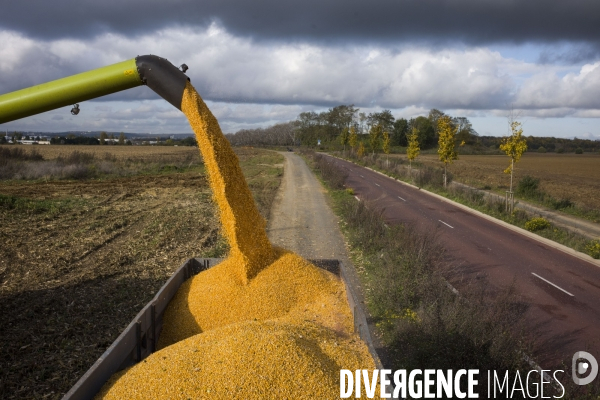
point(562, 291)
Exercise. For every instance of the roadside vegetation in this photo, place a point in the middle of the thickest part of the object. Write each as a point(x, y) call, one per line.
point(80, 257)
point(420, 318)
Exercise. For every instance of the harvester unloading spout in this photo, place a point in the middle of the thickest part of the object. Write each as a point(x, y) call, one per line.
point(155, 72)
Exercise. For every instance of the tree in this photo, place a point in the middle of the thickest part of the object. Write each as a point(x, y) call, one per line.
point(465, 132)
point(386, 146)
point(275, 135)
point(514, 146)
point(353, 138)
point(361, 150)
point(103, 137)
point(399, 133)
point(341, 116)
point(362, 119)
point(189, 141)
point(384, 118)
point(122, 138)
point(413, 150)
point(374, 135)
point(434, 116)
point(426, 131)
point(447, 136)
point(311, 126)
point(292, 131)
point(344, 138)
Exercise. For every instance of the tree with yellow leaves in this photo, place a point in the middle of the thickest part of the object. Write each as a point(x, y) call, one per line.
point(386, 146)
point(344, 138)
point(413, 149)
point(353, 138)
point(447, 142)
point(514, 146)
point(361, 150)
point(374, 135)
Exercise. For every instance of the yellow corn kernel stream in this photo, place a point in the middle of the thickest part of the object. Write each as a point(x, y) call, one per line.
point(264, 323)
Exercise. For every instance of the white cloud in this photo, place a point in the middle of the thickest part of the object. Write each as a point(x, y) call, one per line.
point(577, 90)
point(250, 84)
point(13, 49)
point(229, 68)
point(587, 114)
point(589, 135)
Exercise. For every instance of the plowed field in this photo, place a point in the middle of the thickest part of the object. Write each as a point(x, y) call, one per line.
point(563, 176)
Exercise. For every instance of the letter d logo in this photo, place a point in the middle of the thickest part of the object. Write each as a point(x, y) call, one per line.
point(580, 368)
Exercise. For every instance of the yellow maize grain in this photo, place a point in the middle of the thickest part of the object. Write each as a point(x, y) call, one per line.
point(250, 360)
point(243, 225)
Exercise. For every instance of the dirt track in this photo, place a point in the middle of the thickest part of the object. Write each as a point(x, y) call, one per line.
point(301, 220)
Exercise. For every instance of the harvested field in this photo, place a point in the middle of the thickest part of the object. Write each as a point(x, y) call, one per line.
point(120, 152)
point(85, 162)
point(80, 258)
point(563, 176)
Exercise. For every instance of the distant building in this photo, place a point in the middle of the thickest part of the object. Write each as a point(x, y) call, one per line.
point(32, 141)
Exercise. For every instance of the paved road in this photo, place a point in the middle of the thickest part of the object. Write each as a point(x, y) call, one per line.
point(563, 291)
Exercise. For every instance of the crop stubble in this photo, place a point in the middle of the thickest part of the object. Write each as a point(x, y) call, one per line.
point(81, 262)
point(563, 176)
point(119, 151)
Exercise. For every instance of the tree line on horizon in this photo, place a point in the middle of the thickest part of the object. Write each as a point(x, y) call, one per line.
point(329, 126)
point(103, 139)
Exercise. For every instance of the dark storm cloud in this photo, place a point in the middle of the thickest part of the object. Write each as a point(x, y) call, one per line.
point(468, 21)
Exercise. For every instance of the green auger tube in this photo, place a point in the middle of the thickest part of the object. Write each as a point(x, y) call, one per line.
point(156, 72)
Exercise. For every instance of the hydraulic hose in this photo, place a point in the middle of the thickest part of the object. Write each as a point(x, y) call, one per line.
point(155, 72)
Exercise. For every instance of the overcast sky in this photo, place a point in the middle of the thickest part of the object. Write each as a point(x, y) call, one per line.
point(261, 62)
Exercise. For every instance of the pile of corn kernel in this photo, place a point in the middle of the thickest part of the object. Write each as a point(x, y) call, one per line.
point(264, 323)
